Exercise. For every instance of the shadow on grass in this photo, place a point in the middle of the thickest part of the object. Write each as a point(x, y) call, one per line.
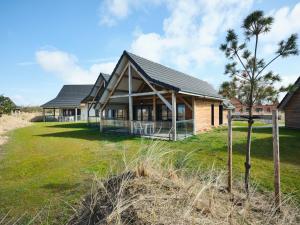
point(70, 125)
point(59, 187)
point(86, 132)
point(261, 145)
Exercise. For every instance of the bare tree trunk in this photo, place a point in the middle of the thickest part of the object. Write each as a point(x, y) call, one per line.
point(248, 146)
point(248, 158)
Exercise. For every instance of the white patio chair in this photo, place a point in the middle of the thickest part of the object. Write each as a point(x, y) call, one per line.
point(138, 128)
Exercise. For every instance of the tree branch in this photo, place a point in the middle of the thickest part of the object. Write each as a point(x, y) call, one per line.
point(267, 65)
point(236, 53)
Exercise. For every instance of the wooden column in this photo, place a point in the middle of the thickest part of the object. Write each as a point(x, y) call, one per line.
point(174, 116)
point(54, 112)
point(130, 99)
point(154, 108)
point(194, 116)
point(276, 159)
point(154, 111)
point(229, 149)
point(100, 118)
point(44, 116)
point(75, 114)
point(88, 113)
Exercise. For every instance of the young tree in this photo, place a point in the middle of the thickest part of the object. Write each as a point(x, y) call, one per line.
point(228, 89)
point(248, 70)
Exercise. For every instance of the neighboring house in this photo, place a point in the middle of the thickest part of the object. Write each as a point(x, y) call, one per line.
point(94, 96)
point(290, 104)
point(258, 109)
point(145, 98)
point(68, 104)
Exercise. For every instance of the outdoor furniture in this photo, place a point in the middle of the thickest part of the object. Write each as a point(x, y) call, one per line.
point(138, 128)
point(148, 127)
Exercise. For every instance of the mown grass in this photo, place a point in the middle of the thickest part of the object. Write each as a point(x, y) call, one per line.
point(245, 124)
point(50, 165)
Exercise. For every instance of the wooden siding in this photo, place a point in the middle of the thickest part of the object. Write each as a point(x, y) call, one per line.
point(225, 117)
point(292, 111)
point(203, 114)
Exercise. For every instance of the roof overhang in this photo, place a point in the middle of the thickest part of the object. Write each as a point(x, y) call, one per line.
point(289, 95)
point(201, 96)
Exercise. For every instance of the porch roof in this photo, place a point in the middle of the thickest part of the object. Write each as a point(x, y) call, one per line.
point(70, 96)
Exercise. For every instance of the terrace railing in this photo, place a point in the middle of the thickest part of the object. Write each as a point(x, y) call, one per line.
point(156, 129)
point(94, 120)
point(121, 126)
point(51, 118)
point(184, 128)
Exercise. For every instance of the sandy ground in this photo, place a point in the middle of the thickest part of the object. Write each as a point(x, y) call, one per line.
point(11, 122)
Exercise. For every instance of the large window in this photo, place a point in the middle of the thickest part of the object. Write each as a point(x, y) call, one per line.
point(142, 113)
point(165, 114)
point(180, 112)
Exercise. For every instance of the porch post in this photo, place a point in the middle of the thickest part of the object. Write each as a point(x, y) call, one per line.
point(100, 118)
point(194, 118)
point(75, 114)
point(130, 99)
point(174, 116)
point(88, 113)
point(44, 116)
point(154, 111)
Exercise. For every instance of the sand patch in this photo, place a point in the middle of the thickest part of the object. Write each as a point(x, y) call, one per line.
point(11, 122)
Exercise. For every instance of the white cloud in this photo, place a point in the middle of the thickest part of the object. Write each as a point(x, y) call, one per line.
point(112, 11)
point(65, 66)
point(191, 32)
point(286, 22)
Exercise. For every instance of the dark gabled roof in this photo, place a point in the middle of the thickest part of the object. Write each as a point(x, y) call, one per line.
point(69, 96)
point(171, 78)
point(95, 87)
point(105, 76)
point(289, 95)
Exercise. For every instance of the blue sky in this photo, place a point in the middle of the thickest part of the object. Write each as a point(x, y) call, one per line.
point(45, 44)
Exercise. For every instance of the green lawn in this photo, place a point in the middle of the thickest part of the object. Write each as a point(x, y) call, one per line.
point(50, 165)
point(245, 124)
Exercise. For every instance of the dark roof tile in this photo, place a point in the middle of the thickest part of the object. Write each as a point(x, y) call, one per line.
point(69, 96)
point(174, 78)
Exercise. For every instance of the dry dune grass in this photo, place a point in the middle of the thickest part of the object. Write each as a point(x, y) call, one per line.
point(153, 191)
point(11, 122)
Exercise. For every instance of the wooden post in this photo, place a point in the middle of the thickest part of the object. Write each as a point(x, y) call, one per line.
point(174, 116)
point(193, 113)
point(44, 116)
point(154, 111)
point(276, 159)
point(75, 114)
point(88, 113)
point(130, 99)
point(229, 151)
point(100, 118)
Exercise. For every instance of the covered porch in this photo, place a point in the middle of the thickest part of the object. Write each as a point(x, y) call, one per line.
point(134, 105)
point(61, 114)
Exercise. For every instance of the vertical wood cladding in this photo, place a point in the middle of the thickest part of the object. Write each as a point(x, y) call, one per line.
point(292, 111)
point(203, 114)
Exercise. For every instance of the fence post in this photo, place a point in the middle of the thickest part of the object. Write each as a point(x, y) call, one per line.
point(229, 151)
point(276, 159)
